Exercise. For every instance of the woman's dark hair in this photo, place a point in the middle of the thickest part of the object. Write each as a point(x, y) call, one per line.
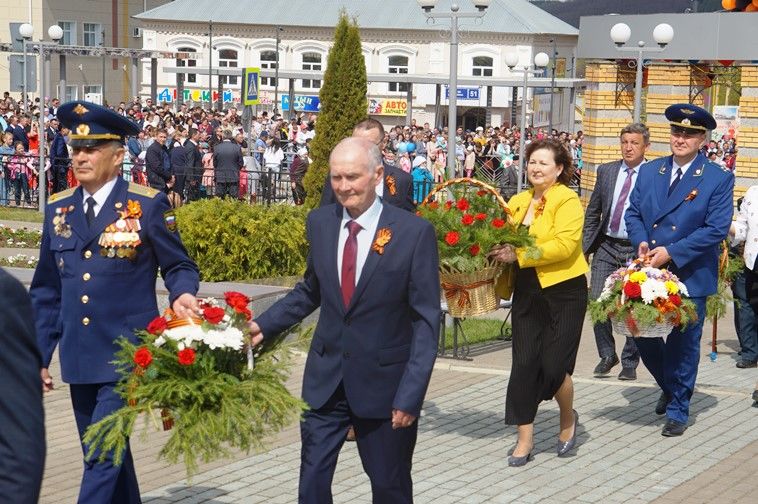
point(561, 156)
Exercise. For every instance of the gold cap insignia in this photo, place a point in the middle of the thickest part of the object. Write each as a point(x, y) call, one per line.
point(686, 121)
point(687, 111)
point(80, 109)
point(82, 129)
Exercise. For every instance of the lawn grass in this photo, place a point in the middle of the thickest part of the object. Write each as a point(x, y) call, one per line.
point(20, 214)
point(477, 330)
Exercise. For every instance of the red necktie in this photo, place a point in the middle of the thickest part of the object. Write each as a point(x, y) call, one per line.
point(349, 255)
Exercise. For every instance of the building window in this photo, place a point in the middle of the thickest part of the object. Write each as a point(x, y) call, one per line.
point(97, 90)
point(189, 78)
point(268, 60)
point(69, 32)
point(227, 58)
point(312, 61)
point(481, 66)
point(93, 34)
point(71, 94)
point(398, 65)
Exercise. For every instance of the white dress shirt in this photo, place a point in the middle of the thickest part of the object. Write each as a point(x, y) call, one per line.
point(746, 226)
point(101, 195)
point(684, 169)
point(368, 220)
point(621, 234)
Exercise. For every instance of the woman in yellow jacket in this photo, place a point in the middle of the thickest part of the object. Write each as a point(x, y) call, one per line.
point(549, 298)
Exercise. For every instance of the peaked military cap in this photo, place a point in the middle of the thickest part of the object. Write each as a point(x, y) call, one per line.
point(92, 124)
point(688, 117)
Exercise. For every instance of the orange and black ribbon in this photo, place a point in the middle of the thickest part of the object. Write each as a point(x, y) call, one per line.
point(461, 291)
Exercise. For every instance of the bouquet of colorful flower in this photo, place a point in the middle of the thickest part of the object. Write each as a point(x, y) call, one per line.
point(203, 377)
point(470, 218)
point(642, 301)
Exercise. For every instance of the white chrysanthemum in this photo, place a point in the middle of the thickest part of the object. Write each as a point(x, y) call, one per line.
point(231, 338)
point(653, 289)
point(159, 341)
point(683, 289)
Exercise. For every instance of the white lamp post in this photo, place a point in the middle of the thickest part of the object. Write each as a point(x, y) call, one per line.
point(663, 34)
point(452, 111)
point(56, 33)
point(541, 60)
point(26, 31)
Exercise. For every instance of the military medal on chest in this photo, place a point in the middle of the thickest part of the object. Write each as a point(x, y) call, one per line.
point(60, 226)
point(121, 238)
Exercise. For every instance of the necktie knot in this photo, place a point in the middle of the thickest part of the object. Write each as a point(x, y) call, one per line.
point(353, 228)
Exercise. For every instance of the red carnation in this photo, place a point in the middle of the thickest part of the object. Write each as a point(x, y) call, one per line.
point(157, 326)
point(632, 290)
point(143, 357)
point(452, 237)
point(186, 357)
point(498, 223)
point(448, 204)
point(480, 216)
point(481, 193)
point(675, 299)
point(214, 314)
point(236, 300)
point(462, 204)
point(434, 205)
point(474, 249)
point(467, 219)
point(246, 312)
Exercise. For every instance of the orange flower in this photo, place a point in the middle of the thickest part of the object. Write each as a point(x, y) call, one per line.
point(434, 205)
point(448, 204)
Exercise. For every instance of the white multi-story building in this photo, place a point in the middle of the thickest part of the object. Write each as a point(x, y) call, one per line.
point(396, 39)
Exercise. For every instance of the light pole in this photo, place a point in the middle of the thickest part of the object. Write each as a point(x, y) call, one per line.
point(26, 31)
point(540, 61)
point(452, 110)
point(620, 34)
point(55, 32)
point(279, 29)
point(552, 84)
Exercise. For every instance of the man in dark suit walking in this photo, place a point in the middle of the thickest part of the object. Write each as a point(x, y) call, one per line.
point(194, 164)
point(396, 187)
point(60, 159)
point(606, 238)
point(178, 157)
point(158, 163)
point(22, 436)
point(227, 163)
point(372, 269)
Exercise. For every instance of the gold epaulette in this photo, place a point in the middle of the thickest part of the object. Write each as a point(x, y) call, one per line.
point(143, 190)
point(60, 195)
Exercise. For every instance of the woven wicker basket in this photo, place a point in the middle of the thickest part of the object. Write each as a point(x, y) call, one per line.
point(661, 330)
point(473, 293)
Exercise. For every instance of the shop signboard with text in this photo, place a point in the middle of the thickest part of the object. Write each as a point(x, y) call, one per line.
point(387, 107)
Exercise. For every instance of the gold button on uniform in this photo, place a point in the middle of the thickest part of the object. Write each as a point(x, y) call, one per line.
point(85, 299)
point(87, 254)
point(86, 277)
point(653, 242)
point(85, 321)
point(655, 226)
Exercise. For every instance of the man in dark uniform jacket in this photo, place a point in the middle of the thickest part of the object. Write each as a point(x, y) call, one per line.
point(227, 162)
point(22, 420)
point(60, 160)
point(87, 295)
point(194, 164)
point(397, 186)
point(158, 163)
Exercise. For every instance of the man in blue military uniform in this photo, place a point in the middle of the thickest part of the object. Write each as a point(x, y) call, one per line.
point(102, 246)
point(680, 211)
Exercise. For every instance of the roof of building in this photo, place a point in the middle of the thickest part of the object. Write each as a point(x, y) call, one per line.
point(503, 16)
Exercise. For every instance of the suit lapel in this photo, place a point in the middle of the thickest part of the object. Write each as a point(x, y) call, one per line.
point(332, 235)
point(610, 187)
point(76, 218)
point(372, 259)
point(662, 182)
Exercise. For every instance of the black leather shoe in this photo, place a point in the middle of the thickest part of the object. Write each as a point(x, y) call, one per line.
point(673, 428)
point(605, 365)
point(628, 374)
point(660, 406)
point(745, 364)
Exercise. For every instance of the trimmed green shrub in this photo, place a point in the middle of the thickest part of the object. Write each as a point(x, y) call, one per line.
point(233, 241)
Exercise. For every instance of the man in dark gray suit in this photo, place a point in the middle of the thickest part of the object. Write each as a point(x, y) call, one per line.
point(227, 162)
point(194, 164)
point(606, 238)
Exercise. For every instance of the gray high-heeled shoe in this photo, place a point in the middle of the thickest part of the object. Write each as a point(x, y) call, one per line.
point(519, 461)
point(566, 446)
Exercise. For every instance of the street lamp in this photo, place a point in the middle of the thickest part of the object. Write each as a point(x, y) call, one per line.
point(26, 31)
point(56, 33)
point(279, 29)
point(621, 33)
point(452, 111)
point(540, 61)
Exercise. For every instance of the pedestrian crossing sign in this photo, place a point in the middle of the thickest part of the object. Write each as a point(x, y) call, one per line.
point(250, 86)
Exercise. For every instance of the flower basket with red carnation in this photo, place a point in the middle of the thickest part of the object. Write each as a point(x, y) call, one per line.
point(212, 392)
point(470, 217)
point(643, 302)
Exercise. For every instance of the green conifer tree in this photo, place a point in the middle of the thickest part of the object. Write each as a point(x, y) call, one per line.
point(343, 103)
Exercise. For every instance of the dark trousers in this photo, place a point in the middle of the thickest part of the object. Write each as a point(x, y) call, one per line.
point(230, 189)
point(21, 183)
point(674, 363)
point(610, 256)
point(102, 482)
point(59, 179)
point(386, 454)
point(747, 330)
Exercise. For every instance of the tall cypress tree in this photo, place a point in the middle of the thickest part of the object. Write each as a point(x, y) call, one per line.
point(343, 103)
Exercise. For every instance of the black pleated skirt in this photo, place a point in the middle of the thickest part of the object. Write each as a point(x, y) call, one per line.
point(547, 326)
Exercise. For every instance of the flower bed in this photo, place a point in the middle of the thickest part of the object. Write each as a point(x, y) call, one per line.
point(19, 238)
point(19, 261)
